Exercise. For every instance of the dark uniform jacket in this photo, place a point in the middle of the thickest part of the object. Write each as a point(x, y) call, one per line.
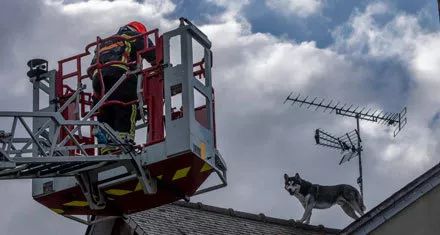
point(122, 50)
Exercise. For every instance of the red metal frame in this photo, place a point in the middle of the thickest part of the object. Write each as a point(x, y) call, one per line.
point(200, 74)
point(153, 99)
point(137, 200)
point(153, 90)
point(153, 86)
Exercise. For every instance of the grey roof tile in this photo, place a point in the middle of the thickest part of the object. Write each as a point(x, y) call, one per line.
point(197, 218)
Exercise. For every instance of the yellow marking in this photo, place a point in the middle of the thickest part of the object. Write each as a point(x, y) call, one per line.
point(111, 46)
point(117, 192)
point(133, 122)
point(58, 211)
point(206, 167)
point(203, 150)
point(139, 186)
point(120, 66)
point(76, 203)
point(181, 173)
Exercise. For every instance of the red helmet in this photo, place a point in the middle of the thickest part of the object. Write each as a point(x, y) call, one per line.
point(138, 26)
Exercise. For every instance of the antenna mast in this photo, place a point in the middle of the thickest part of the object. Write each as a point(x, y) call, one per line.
point(438, 5)
point(349, 143)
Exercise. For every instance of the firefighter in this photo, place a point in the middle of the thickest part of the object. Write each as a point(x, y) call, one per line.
point(122, 118)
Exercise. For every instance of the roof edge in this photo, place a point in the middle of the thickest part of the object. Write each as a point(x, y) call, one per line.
point(398, 201)
point(256, 217)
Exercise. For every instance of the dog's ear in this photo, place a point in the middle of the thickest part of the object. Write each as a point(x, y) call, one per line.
point(297, 177)
point(286, 177)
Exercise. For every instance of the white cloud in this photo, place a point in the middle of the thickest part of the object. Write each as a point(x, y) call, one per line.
point(252, 75)
point(96, 8)
point(258, 70)
point(253, 72)
point(365, 34)
point(55, 30)
point(271, 66)
point(65, 29)
point(301, 8)
point(400, 38)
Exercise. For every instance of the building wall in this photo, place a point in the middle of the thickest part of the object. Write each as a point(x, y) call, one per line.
point(421, 217)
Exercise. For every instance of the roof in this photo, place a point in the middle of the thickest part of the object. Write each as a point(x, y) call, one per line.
point(197, 218)
point(395, 203)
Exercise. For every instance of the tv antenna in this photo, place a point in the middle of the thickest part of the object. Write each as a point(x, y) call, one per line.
point(438, 5)
point(349, 143)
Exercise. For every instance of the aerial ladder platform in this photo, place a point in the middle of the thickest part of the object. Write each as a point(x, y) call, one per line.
point(175, 150)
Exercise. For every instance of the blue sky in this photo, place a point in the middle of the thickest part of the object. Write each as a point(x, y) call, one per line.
point(380, 54)
point(316, 27)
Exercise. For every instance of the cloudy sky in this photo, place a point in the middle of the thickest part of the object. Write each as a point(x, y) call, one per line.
point(381, 54)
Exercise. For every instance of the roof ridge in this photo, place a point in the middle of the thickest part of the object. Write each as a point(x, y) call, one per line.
point(261, 217)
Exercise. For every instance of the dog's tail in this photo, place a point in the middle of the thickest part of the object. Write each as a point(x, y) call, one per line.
point(360, 201)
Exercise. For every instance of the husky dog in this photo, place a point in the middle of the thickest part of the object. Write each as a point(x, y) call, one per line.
point(323, 197)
